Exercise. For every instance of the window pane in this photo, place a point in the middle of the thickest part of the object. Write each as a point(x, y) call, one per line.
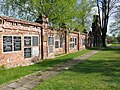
point(35, 40)
point(7, 43)
point(61, 41)
point(50, 40)
point(50, 49)
point(61, 44)
point(56, 44)
point(71, 45)
point(17, 43)
point(27, 52)
point(70, 39)
point(56, 37)
point(27, 41)
point(75, 41)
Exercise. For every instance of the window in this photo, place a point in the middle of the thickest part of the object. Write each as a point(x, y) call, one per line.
point(27, 41)
point(50, 49)
point(56, 37)
point(50, 44)
point(11, 43)
point(17, 43)
point(35, 40)
point(50, 41)
point(61, 41)
point(83, 41)
point(75, 41)
point(7, 44)
point(56, 41)
point(27, 52)
point(71, 43)
point(56, 44)
point(30, 43)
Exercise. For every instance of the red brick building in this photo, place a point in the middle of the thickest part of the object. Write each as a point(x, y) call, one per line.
point(24, 43)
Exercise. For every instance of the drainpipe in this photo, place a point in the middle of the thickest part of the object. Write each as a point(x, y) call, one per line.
point(66, 41)
point(78, 41)
point(42, 41)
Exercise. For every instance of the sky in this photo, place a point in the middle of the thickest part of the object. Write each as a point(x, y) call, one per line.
point(111, 19)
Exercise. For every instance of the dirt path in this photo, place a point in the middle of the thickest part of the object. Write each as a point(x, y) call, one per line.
point(30, 81)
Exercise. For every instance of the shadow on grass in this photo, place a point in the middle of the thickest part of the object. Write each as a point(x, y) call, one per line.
point(109, 68)
point(51, 62)
point(116, 50)
point(110, 48)
point(94, 48)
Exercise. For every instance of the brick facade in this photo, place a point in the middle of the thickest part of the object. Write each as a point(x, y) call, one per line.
point(24, 43)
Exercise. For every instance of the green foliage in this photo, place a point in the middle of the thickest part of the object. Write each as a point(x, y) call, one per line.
point(84, 14)
point(115, 45)
point(72, 13)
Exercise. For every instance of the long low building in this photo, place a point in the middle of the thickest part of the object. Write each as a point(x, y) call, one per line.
point(24, 43)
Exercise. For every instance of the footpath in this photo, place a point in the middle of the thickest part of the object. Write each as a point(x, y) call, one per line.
point(30, 81)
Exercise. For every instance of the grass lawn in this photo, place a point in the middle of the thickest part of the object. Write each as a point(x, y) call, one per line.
point(99, 72)
point(117, 44)
point(8, 75)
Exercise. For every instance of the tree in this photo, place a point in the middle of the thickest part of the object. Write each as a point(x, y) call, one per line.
point(106, 7)
point(32, 9)
point(118, 37)
point(70, 13)
point(115, 26)
point(83, 14)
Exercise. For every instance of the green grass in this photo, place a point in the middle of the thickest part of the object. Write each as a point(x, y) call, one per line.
point(117, 44)
point(8, 75)
point(99, 72)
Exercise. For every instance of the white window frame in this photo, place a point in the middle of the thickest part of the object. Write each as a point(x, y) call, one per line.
point(72, 42)
point(31, 44)
point(38, 41)
point(62, 40)
point(12, 44)
point(58, 40)
point(51, 45)
point(31, 40)
point(21, 43)
point(75, 40)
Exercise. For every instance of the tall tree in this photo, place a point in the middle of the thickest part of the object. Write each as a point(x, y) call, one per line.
point(69, 13)
point(32, 9)
point(115, 26)
point(83, 14)
point(105, 9)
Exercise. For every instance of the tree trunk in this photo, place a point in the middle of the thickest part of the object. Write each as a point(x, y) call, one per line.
point(103, 37)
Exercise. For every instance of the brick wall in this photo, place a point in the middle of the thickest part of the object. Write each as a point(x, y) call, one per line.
point(50, 42)
point(14, 28)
